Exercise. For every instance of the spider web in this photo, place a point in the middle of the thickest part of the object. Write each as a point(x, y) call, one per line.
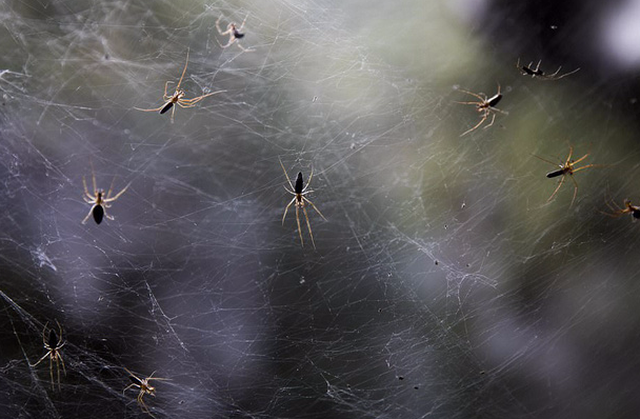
point(443, 284)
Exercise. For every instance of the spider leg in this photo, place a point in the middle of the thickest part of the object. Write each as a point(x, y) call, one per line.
point(242, 25)
point(53, 387)
point(484, 118)
point(228, 44)
point(86, 191)
point(298, 221)
point(151, 110)
point(285, 173)
point(243, 48)
point(575, 191)
point(543, 159)
point(189, 103)
point(165, 96)
point(40, 360)
point(569, 156)
point(287, 209)
point(58, 369)
point(88, 215)
point(585, 167)
point(173, 113)
point(580, 159)
point(218, 25)
point(483, 99)
point(306, 216)
point(557, 189)
point(118, 194)
point(129, 386)
point(493, 118)
point(566, 74)
point(314, 207)
point(186, 63)
point(304, 190)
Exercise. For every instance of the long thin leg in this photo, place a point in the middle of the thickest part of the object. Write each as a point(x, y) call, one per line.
point(314, 207)
point(129, 386)
point(575, 191)
point(580, 159)
point(484, 118)
point(41, 359)
point(183, 71)
point(585, 167)
point(285, 173)
point(151, 110)
point(165, 96)
point(190, 103)
point(118, 194)
point(53, 387)
point(298, 221)
point(88, 215)
point(493, 118)
point(306, 216)
point(287, 209)
point(308, 181)
point(86, 191)
point(557, 188)
point(484, 99)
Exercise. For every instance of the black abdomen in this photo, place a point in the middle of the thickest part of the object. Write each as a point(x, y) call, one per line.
point(98, 213)
point(299, 183)
point(166, 107)
point(556, 173)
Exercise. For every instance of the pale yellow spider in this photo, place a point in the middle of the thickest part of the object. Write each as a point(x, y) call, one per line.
point(53, 344)
point(300, 200)
point(567, 169)
point(234, 33)
point(145, 388)
point(177, 98)
point(99, 201)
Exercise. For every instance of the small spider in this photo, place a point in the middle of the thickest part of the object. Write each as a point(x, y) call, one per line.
point(528, 70)
point(145, 388)
point(300, 200)
point(53, 345)
point(634, 210)
point(567, 169)
point(177, 98)
point(486, 107)
point(99, 201)
point(234, 33)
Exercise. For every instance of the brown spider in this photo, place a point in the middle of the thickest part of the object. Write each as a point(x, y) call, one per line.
point(567, 169)
point(98, 200)
point(486, 106)
point(234, 33)
point(145, 388)
point(300, 200)
point(528, 70)
point(177, 98)
point(53, 345)
point(628, 208)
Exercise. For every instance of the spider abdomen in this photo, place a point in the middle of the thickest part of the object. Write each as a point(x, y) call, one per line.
point(299, 184)
point(556, 173)
point(98, 213)
point(166, 107)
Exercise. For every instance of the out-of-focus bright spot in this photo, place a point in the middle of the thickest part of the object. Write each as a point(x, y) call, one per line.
point(621, 38)
point(467, 10)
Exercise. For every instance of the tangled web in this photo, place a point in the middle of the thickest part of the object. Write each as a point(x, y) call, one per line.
point(443, 284)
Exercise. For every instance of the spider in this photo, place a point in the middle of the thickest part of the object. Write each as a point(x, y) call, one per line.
point(53, 345)
point(486, 107)
point(234, 33)
point(567, 168)
point(528, 70)
point(145, 388)
point(99, 201)
point(300, 200)
point(177, 98)
point(634, 210)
